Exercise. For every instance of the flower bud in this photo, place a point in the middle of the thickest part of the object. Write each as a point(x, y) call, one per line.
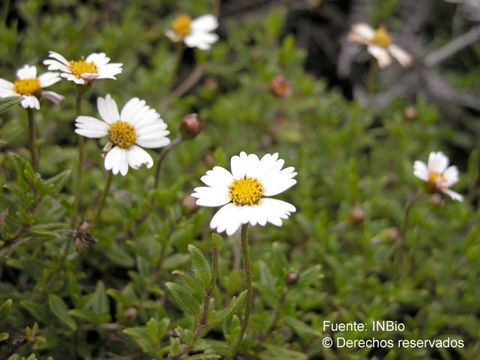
point(436, 199)
point(191, 125)
point(291, 278)
point(189, 205)
point(410, 113)
point(357, 215)
point(130, 313)
point(280, 87)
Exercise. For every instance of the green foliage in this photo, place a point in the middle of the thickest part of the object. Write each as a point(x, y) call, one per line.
point(141, 281)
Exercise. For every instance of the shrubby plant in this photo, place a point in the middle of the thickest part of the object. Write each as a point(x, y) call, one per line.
point(98, 266)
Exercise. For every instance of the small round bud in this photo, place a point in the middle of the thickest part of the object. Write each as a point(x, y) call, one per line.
point(209, 160)
point(189, 205)
point(436, 199)
point(191, 125)
point(291, 278)
point(357, 215)
point(130, 313)
point(392, 234)
point(410, 113)
point(280, 87)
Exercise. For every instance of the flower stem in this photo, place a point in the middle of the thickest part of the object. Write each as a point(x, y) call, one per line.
point(31, 139)
point(78, 181)
point(171, 80)
point(371, 79)
point(248, 277)
point(104, 197)
point(162, 156)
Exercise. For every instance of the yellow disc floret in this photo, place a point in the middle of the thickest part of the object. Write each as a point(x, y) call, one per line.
point(81, 67)
point(434, 177)
point(27, 86)
point(122, 134)
point(182, 25)
point(246, 191)
point(381, 38)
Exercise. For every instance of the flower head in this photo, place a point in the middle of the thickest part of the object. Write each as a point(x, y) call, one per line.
point(244, 193)
point(137, 124)
point(280, 87)
point(437, 174)
point(29, 86)
point(379, 44)
point(96, 66)
point(194, 33)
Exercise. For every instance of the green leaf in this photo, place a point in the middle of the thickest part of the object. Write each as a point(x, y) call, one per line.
point(186, 335)
point(8, 102)
point(60, 310)
point(4, 336)
point(309, 276)
point(5, 309)
point(142, 337)
point(56, 183)
point(231, 308)
point(190, 281)
point(217, 240)
point(184, 298)
point(203, 356)
point(275, 352)
point(201, 268)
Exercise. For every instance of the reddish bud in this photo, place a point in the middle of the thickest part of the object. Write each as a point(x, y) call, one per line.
point(291, 278)
point(410, 113)
point(280, 87)
point(189, 205)
point(357, 215)
point(191, 125)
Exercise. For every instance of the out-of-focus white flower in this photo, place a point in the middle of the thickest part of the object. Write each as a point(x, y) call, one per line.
point(194, 33)
point(379, 44)
point(95, 67)
point(244, 193)
point(137, 124)
point(29, 86)
point(437, 174)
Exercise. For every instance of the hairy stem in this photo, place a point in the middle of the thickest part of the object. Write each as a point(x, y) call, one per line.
point(104, 198)
point(31, 140)
point(162, 156)
point(249, 300)
point(78, 181)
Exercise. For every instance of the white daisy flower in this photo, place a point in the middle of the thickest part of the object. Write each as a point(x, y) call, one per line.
point(437, 174)
point(194, 33)
point(379, 44)
point(137, 124)
point(29, 86)
point(244, 194)
point(96, 66)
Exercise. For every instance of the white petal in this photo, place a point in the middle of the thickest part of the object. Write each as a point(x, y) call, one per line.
point(201, 40)
point(99, 59)
point(204, 23)
point(420, 170)
point(218, 176)
point(91, 127)
point(227, 219)
point(211, 196)
point(116, 160)
point(239, 165)
point(451, 176)
point(73, 78)
point(48, 78)
point(30, 101)
point(277, 183)
point(154, 140)
point(381, 54)
point(137, 157)
point(276, 210)
point(437, 162)
point(6, 93)
point(172, 36)
point(453, 194)
point(130, 109)
point(363, 30)
point(401, 55)
point(53, 96)
point(4, 84)
point(107, 108)
point(58, 57)
point(27, 72)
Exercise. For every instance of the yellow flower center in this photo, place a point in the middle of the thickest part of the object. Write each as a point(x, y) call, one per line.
point(246, 191)
point(381, 38)
point(434, 176)
point(81, 67)
point(27, 86)
point(122, 134)
point(182, 25)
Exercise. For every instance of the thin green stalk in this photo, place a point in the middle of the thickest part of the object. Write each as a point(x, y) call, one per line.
point(249, 300)
point(31, 140)
point(371, 79)
point(162, 156)
point(78, 181)
point(171, 80)
point(104, 198)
